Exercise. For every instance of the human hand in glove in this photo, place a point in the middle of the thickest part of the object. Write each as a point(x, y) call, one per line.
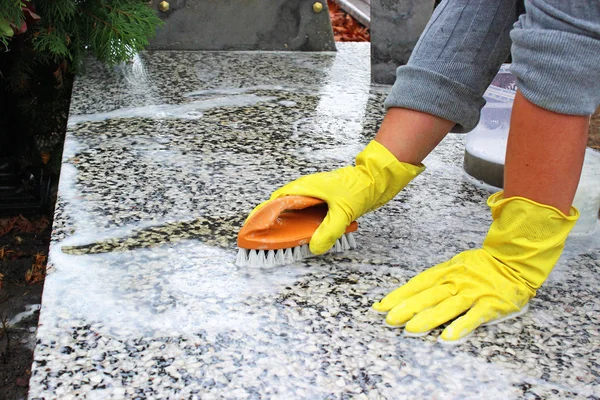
point(351, 191)
point(488, 284)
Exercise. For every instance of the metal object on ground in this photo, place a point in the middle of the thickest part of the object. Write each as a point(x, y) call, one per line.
point(243, 25)
point(163, 6)
point(358, 9)
point(484, 170)
point(486, 144)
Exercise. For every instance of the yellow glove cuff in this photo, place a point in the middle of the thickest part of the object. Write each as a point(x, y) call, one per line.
point(389, 176)
point(528, 237)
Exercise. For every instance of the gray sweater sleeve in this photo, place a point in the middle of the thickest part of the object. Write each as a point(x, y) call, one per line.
point(555, 50)
point(455, 59)
point(556, 55)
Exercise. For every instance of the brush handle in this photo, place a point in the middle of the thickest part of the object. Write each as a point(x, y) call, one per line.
point(267, 215)
point(285, 222)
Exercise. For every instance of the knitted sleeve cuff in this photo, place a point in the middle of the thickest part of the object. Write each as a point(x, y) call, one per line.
point(558, 71)
point(427, 91)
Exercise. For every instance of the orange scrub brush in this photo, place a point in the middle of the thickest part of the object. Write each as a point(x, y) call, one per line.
point(279, 232)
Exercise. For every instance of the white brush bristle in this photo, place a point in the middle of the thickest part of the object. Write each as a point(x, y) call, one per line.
point(288, 256)
point(272, 258)
point(351, 241)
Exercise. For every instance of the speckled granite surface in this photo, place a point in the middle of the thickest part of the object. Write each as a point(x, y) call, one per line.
point(163, 160)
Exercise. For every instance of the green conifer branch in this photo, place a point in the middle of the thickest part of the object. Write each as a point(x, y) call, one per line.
point(10, 13)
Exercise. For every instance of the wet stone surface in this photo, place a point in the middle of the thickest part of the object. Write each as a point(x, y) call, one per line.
point(166, 156)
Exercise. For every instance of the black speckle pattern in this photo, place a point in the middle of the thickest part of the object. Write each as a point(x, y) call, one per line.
point(165, 157)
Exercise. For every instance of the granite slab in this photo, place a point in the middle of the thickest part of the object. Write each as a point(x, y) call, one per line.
point(285, 25)
point(396, 26)
point(163, 160)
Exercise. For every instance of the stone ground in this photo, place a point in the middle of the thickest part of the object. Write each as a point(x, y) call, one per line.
point(16, 294)
point(164, 158)
point(21, 248)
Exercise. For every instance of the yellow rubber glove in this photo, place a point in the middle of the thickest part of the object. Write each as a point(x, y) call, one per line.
point(522, 246)
point(351, 191)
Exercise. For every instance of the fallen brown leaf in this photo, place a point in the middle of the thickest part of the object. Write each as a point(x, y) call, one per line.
point(346, 28)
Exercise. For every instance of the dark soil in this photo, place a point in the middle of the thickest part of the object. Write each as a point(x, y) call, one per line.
point(345, 27)
point(20, 251)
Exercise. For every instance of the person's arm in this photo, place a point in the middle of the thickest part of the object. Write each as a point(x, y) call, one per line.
point(411, 135)
point(558, 90)
point(532, 219)
point(441, 88)
point(544, 154)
